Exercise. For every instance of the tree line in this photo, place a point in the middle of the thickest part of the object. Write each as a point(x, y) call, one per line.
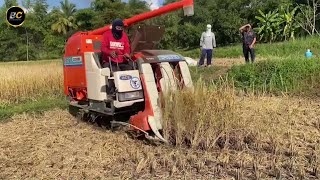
point(44, 32)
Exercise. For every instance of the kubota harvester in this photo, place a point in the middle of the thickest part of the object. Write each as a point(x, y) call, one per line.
point(135, 98)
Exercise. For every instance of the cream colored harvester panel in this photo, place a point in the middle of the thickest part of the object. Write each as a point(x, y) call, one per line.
point(184, 68)
point(168, 81)
point(152, 93)
point(126, 81)
point(96, 82)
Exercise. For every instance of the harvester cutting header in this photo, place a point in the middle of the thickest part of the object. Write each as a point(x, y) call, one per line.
point(114, 97)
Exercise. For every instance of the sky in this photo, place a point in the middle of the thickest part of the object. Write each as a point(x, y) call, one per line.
point(86, 3)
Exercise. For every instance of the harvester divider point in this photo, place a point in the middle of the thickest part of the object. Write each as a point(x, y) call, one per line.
point(158, 137)
point(127, 124)
point(155, 130)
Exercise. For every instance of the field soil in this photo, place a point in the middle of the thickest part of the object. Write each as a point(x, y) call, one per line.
point(229, 62)
point(56, 146)
point(220, 66)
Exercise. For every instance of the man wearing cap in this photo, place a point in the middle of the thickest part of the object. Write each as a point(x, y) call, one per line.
point(115, 45)
point(248, 42)
point(207, 43)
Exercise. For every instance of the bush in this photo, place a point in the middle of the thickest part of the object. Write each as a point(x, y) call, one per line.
point(290, 75)
point(287, 49)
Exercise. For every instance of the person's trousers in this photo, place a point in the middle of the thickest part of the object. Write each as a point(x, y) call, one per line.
point(204, 53)
point(246, 51)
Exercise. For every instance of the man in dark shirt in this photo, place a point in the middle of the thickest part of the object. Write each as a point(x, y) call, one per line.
point(248, 41)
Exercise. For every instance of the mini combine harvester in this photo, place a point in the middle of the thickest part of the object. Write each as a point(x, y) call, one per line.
point(135, 99)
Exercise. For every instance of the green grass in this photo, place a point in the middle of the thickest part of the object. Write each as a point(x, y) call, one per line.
point(288, 49)
point(206, 74)
point(275, 76)
point(32, 106)
point(284, 70)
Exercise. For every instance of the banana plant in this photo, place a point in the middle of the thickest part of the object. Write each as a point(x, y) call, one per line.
point(269, 25)
point(288, 19)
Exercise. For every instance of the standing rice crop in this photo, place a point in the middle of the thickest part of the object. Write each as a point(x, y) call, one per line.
point(25, 80)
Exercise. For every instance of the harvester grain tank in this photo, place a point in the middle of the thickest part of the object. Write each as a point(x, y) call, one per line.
point(135, 99)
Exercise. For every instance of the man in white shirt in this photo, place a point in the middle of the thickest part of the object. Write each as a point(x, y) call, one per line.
point(207, 43)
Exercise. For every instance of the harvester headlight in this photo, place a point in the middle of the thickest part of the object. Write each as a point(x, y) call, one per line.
point(130, 96)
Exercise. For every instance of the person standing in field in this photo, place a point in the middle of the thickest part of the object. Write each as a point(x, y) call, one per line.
point(248, 41)
point(207, 44)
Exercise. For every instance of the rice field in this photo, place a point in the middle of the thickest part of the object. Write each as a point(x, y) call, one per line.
point(21, 81)
point(215, 132)
point(256, 137)
point(264, 138)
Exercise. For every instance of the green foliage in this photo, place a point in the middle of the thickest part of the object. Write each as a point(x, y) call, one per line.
point(9, 3)
point(225, 16)
point(108, 10)
point(289, 49)
point(66, 20)
point(280, 24)
point(269, 25)
point(288, 17)
point(44, 33)
point(84, 19)
point(279, 50)
point(39, 105)
point(274, 76)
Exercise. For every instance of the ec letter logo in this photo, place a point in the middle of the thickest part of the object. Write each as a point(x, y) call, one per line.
point(15, 16)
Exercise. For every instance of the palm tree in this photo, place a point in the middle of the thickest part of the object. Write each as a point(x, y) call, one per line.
point(66, 19)
point(63, 25)
point(68, 9)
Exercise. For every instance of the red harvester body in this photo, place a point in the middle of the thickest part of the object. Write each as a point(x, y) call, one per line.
point(85, 81)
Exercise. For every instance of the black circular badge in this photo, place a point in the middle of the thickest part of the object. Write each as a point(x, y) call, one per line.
point(15, 16)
